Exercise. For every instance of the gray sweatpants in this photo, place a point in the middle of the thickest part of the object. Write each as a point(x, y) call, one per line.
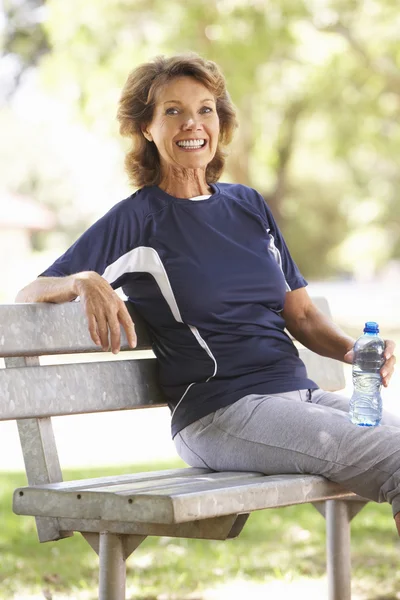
point(295, 433)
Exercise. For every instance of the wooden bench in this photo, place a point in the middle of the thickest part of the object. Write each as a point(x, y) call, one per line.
point(115, 514)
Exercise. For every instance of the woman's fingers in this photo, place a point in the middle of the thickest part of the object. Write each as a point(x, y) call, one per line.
point(388, 370)
point(105, 312)
point(105, 328)
point(348, 357)
point(118, 315)
point(128, 325)
point(115, 333)
point(390, 360)
point(102, 327)
point(389, 349)
point(94, 334)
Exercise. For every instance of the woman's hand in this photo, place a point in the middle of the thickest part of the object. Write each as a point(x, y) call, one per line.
point(390, 360)
point(105, 311)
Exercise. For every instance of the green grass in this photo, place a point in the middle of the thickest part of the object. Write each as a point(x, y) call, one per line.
point(282, 543)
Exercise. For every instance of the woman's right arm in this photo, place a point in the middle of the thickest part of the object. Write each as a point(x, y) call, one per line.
point(105, 310)
point(50, 289)
point(77, 273)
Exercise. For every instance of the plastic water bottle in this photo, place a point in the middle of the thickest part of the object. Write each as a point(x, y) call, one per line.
point(366, 401)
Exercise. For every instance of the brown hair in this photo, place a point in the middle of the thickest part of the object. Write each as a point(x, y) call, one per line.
point(136, 108)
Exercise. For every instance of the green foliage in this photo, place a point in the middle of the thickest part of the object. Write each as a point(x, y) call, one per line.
point(23, 38)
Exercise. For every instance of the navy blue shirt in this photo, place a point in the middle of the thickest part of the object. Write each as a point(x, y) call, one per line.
point(209, 277)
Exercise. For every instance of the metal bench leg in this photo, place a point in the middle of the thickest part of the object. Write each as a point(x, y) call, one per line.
point(338, 549)
point(112, 579)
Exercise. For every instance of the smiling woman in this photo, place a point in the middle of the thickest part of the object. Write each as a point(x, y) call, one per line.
point(186, 134)
point(166, 108)
point(206, 266)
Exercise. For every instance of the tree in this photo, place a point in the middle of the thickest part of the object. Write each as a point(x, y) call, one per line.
point(24, 41)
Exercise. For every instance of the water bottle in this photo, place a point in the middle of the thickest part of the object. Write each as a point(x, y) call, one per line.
point(366, 401)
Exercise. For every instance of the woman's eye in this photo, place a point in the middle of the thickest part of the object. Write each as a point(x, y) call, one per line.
point(175, 111)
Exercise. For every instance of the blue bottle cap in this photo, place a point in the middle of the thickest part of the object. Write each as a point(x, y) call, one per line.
point(371, 327)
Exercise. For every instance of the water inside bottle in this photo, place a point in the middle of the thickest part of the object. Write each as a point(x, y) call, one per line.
point(369, 361)
point(365, 406)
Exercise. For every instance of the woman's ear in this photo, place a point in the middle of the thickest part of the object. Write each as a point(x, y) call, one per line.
point(146, 134)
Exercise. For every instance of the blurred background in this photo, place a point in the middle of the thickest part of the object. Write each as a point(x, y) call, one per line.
point(317, 87)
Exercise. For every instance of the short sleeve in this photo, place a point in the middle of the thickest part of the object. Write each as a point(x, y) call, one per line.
point(102, 245)
point(278, 247)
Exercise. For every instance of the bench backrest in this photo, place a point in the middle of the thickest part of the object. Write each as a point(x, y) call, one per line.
point(32, 392)
point(30, 331)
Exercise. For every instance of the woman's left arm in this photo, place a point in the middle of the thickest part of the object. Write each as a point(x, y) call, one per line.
point(313, 329)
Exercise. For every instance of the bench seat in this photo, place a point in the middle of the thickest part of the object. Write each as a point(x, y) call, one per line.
point(172, 497)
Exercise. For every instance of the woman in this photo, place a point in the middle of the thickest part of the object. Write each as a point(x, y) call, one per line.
point(206, 266)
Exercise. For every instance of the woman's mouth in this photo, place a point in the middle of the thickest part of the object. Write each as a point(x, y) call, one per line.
point(191, 145)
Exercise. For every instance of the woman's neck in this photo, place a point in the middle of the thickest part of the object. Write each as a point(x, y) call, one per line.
point(185, 183)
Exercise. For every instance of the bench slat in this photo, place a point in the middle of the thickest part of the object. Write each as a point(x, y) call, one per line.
point(157, 485)
point(201, 499)
point(42, 328)
point(175, 485)
point(55, 390)
point(38, 329)
point(95, 482)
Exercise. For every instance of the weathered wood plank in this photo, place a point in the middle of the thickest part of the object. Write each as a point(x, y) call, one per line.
point(200, 500)
point(43, 328)
point(148, 476)
point(78, 388)
point(40, 454)
point(41, 466)
point(95, 387)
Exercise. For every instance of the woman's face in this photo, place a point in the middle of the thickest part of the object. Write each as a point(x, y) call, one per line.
point(185, 125)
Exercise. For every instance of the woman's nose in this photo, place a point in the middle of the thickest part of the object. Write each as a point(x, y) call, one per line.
point(191, 123)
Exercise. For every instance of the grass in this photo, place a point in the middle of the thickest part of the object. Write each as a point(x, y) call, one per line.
point(284, 543)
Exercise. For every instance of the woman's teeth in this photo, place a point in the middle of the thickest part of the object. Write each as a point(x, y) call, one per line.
point(191, 143)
